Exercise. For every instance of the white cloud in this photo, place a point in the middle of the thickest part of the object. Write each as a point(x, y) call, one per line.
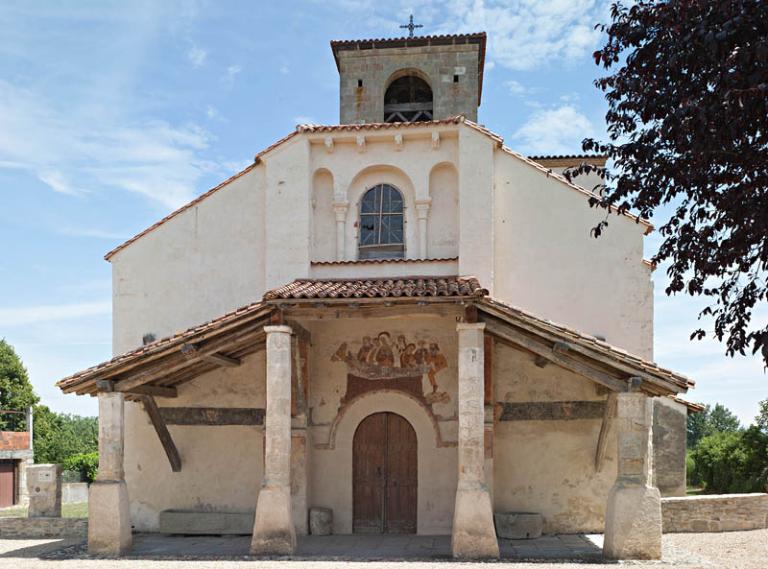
point(554, 131)
point(285, 69)
point(58, 183)
point(522, 34)
point(211, 112)
point(46, 313)
point(516, 88)
point(197, 56)
point(525, 34)
point(233, 70)
point(73, 153)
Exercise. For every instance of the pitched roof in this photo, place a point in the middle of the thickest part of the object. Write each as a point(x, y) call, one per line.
point(418, 41)
point(589, 345)
point(409, 287)
point(240, 332)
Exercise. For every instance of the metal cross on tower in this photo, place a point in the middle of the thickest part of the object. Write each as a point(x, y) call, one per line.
point(410, 26)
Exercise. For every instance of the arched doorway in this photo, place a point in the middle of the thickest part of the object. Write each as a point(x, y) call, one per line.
point(384, 475)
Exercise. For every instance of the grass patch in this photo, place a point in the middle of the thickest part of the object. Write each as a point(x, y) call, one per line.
point(75, 510)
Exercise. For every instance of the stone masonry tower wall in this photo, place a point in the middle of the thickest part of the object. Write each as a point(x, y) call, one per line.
point(451, 65)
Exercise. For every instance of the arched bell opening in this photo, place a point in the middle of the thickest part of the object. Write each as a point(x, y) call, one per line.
point(408, 99)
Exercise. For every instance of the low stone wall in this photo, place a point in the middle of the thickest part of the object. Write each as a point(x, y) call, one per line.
point(719, 512)
point(11, 528)
point(74, 492)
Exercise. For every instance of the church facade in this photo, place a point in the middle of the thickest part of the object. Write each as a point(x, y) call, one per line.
point(397, 321)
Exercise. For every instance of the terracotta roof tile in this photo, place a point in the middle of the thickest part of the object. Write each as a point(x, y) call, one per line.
point(385, 261)
point(235, 316)
point(408, 287)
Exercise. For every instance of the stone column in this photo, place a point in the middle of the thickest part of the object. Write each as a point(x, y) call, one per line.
point(422, 213)
point(273, 531)
point(473, 536)
point(340, 209)
point(633, 515)
point(109, 519)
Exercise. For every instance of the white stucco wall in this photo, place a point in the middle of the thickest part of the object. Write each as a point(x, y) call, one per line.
point(332, 435)
point(173, 277)
point(547, 262)
point(221, 465)
point(548, 466)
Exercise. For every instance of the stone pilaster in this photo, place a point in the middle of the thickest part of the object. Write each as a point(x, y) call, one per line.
point(273, 530)
point(340, 210)
point(109, 519)
point(299, 479)
point(473, 536)
point(633, 515)
point(422, 213)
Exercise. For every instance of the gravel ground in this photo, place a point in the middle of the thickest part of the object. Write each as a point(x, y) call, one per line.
point(733, 550)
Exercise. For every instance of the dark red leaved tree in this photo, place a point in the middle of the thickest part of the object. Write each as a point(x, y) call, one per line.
point(688, 129)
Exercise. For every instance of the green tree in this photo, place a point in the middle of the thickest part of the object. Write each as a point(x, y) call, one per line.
point(761, 421)
point(717, 419)
point(687, 127)
point(732, 461)
point(16, 391)
point(721, 420)
point(59, 436)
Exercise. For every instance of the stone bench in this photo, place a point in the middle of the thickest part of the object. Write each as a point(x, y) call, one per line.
point(198, 522)
point(518, 525)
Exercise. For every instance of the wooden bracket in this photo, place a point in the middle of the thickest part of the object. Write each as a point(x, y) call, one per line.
point(602, 439)
point(162, 432)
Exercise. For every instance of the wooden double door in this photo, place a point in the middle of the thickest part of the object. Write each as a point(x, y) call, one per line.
point(384, 475)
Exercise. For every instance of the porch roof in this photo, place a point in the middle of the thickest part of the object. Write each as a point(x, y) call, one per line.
point(157, 368)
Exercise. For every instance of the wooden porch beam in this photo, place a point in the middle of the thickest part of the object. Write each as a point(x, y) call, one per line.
point(512, 336)
point(189, 355)
point(155, 390)
point(602, 439)
point(162, 432)
point(222, 360)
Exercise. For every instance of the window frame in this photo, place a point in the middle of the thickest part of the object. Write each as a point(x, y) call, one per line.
point(379, 250)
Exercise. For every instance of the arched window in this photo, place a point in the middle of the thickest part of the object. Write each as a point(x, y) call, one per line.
point(381, 223)
point(408, 99)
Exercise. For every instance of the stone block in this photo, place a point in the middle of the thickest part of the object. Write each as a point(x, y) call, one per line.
point(109, 519)
point(44, 486)
point(320, 521)
point(518, 525)
point(473, 535)
point(197, 522)
point(633, 523)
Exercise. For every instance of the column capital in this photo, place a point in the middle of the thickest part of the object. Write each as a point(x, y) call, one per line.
point(340, 209)
point(466, 326)
point(278, 329)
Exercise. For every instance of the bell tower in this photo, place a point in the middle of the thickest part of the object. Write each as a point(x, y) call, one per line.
point(410, 79)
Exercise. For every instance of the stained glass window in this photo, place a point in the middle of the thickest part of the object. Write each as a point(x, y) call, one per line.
point(381, 223)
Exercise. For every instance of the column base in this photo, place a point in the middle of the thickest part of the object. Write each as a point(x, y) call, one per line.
point(109, 518)
point(473, 535)
point(633, 523)
point(273, 531)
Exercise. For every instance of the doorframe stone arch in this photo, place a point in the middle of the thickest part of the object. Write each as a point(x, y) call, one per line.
point(436, 491)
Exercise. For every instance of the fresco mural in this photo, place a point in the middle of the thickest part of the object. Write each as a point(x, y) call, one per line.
point(382, 362)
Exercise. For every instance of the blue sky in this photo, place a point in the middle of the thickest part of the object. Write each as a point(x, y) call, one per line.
point(114, 113)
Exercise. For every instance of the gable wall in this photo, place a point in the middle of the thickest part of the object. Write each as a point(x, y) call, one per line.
point(546, 262)
point(172, 278)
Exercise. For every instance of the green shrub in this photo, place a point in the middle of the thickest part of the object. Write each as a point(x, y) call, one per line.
point(86, 463)
point(732, 462)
